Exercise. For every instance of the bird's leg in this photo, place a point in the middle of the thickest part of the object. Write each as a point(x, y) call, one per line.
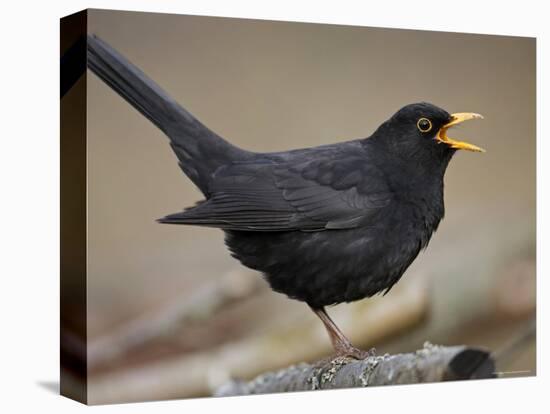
point(341, 344)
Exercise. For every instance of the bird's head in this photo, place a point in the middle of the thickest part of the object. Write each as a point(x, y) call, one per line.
point(419, 131)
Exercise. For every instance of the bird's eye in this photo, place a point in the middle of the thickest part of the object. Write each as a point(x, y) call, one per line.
point(424, 125)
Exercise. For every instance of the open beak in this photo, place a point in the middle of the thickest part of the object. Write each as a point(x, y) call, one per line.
point(455, 120)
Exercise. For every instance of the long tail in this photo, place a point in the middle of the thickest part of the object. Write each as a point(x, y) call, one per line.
point(199, 150)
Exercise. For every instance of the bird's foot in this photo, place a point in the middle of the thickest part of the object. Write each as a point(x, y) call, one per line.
point(349, 351)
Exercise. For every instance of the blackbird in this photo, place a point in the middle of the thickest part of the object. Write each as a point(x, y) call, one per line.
point(324, 225)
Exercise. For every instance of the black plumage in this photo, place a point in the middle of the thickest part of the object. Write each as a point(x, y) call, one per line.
point(325, 225)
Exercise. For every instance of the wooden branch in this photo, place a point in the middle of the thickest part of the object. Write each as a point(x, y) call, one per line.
point(432, 363)
point(175, 316)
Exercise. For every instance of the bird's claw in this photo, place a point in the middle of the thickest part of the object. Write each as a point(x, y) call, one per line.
point(349, 351)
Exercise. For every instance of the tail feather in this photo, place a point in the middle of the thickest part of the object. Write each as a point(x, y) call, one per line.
point(199, 150)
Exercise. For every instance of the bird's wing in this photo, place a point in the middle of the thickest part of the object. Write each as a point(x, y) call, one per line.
point(324, 193)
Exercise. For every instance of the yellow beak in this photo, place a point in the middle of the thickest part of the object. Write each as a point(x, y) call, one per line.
point(455, 120)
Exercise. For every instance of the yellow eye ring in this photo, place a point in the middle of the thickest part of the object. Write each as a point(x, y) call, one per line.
point(424, 125)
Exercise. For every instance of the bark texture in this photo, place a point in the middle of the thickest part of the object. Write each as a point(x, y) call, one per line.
point(432, 363)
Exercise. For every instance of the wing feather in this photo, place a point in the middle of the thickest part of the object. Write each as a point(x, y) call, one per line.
point(325, 193)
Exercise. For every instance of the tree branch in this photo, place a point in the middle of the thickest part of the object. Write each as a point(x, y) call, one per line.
point(432, 363)
point(175, 316)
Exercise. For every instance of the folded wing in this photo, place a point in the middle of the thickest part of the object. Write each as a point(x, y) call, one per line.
point(269, 194)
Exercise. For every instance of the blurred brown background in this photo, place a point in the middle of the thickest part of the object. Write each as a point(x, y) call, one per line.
point(269, 86)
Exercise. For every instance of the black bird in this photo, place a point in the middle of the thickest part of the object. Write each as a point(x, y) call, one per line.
point(325, 225)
